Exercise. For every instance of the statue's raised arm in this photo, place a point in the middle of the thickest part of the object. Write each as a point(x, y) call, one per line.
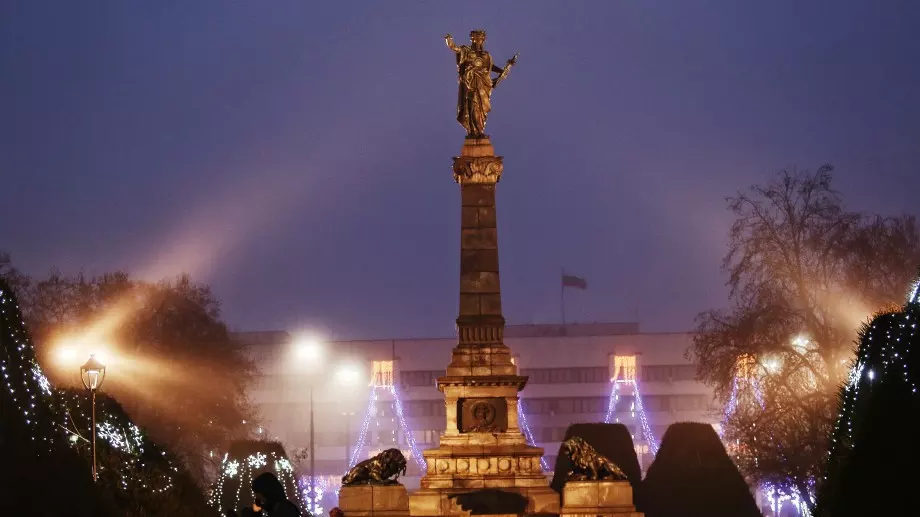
point(474, 69)
point(450, 43)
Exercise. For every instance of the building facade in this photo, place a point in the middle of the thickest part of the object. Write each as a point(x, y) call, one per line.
point(577, 373)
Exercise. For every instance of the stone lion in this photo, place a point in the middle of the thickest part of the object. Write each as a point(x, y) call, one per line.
point(587, 464)
point(377, 470)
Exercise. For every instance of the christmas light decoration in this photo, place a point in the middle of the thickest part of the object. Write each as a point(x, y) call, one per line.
point(238, 470)
point(58, 416)
point(637, 409)
point(313, 496)
point(612, 402)
point(643, 419)
point(777, 496)
point(882, 372)
point(362, 433)
point(416, 455)
point(522, 418)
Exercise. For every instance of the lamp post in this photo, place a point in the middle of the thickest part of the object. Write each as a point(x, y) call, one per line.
point(92, 374)
point(312, 457)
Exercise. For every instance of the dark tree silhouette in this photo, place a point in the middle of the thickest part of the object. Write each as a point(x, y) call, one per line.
point(693, 476)
point(874, 449)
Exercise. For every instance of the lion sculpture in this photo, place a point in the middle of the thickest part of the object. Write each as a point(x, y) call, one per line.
point(587, 464)
point(377, 470)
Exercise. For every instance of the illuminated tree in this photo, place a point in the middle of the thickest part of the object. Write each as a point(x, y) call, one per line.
point(182, 378)
point(135, 474)
point(799, 287)
point(41, 474)
point(44, 444)
point(246, 460)
point(874, 449)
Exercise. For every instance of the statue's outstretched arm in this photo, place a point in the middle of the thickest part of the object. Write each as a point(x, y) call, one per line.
point(450, 43)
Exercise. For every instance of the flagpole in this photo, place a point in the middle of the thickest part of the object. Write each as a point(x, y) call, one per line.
point(562, 295)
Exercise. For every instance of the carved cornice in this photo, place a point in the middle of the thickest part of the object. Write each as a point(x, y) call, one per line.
point(477, 169)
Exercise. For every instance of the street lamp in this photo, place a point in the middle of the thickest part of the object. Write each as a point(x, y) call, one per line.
point(92, 374)
point(311, 352)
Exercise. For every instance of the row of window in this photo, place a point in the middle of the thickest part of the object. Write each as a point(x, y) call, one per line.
point(623, 370)
point(431, 437)
point(569, 405)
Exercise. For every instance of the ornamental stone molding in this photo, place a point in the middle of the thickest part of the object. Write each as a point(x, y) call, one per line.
point(477, 169)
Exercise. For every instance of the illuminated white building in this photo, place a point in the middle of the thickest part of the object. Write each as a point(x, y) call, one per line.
point(570, 370)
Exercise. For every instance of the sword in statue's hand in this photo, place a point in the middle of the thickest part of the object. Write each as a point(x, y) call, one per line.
point(505, 70)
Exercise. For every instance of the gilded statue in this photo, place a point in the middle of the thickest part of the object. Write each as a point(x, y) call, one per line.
point(586, 464)
point(377, 470)
point(475, 67)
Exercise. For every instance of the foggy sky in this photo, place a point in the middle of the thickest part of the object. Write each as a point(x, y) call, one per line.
point(296, 155)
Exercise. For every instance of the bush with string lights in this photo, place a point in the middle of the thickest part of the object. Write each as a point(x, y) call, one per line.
point(874, 450)
point(243, 462)
point(44, 437)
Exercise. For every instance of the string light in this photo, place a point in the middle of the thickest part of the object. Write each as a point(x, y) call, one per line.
point(419, 459)
point(637, 409)
point(243, 469)
point(522, 418)
point(884, 356)
point(48, 412)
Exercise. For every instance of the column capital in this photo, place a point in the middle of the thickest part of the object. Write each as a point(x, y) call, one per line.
point(477, 169)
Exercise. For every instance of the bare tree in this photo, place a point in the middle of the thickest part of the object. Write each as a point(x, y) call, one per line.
point(803, 273)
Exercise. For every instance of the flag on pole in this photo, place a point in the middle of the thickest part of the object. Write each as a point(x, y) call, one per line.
point(574, 281)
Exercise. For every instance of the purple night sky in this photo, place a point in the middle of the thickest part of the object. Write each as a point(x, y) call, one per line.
point(296, 155)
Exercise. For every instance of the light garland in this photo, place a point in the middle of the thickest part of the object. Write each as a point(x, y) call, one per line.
point(522, 418)
point(419, 459)
point(777, 496)
point(365, 423)
point(244, 468)
point(34, 396)
point(884, 356)
point(612, 402)
point(637, 409)
point(313, 495)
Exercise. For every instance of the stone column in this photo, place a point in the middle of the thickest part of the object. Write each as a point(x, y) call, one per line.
point(480, 324)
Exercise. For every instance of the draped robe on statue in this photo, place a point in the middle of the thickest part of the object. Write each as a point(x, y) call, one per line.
point(474, 100)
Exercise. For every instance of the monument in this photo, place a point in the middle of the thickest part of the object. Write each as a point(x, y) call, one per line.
point(372, 488)
point(594, 485)
point(483, 463)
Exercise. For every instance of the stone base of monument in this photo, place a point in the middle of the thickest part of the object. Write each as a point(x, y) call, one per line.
point(483, 478)
point(374, 501)
point(598, 498)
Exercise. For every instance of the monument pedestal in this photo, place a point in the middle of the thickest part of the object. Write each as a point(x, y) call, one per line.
point(483, 464)
point(374, 501)
point(597, 499)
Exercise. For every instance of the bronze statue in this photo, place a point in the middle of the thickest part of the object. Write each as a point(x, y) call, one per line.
point(587, 464)
point(475, 67)
point(377, 470)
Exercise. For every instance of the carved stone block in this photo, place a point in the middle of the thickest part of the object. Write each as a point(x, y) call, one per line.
point(483, 415)
point(374, 501)
point(598, 498)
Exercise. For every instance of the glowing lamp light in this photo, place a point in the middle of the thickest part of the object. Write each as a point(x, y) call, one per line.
point(66, 354)
point(309, 350)
point(92, 373)
point(348, 375)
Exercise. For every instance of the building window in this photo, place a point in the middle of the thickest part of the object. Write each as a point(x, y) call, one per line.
point(622, 368)
point(382, 374)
